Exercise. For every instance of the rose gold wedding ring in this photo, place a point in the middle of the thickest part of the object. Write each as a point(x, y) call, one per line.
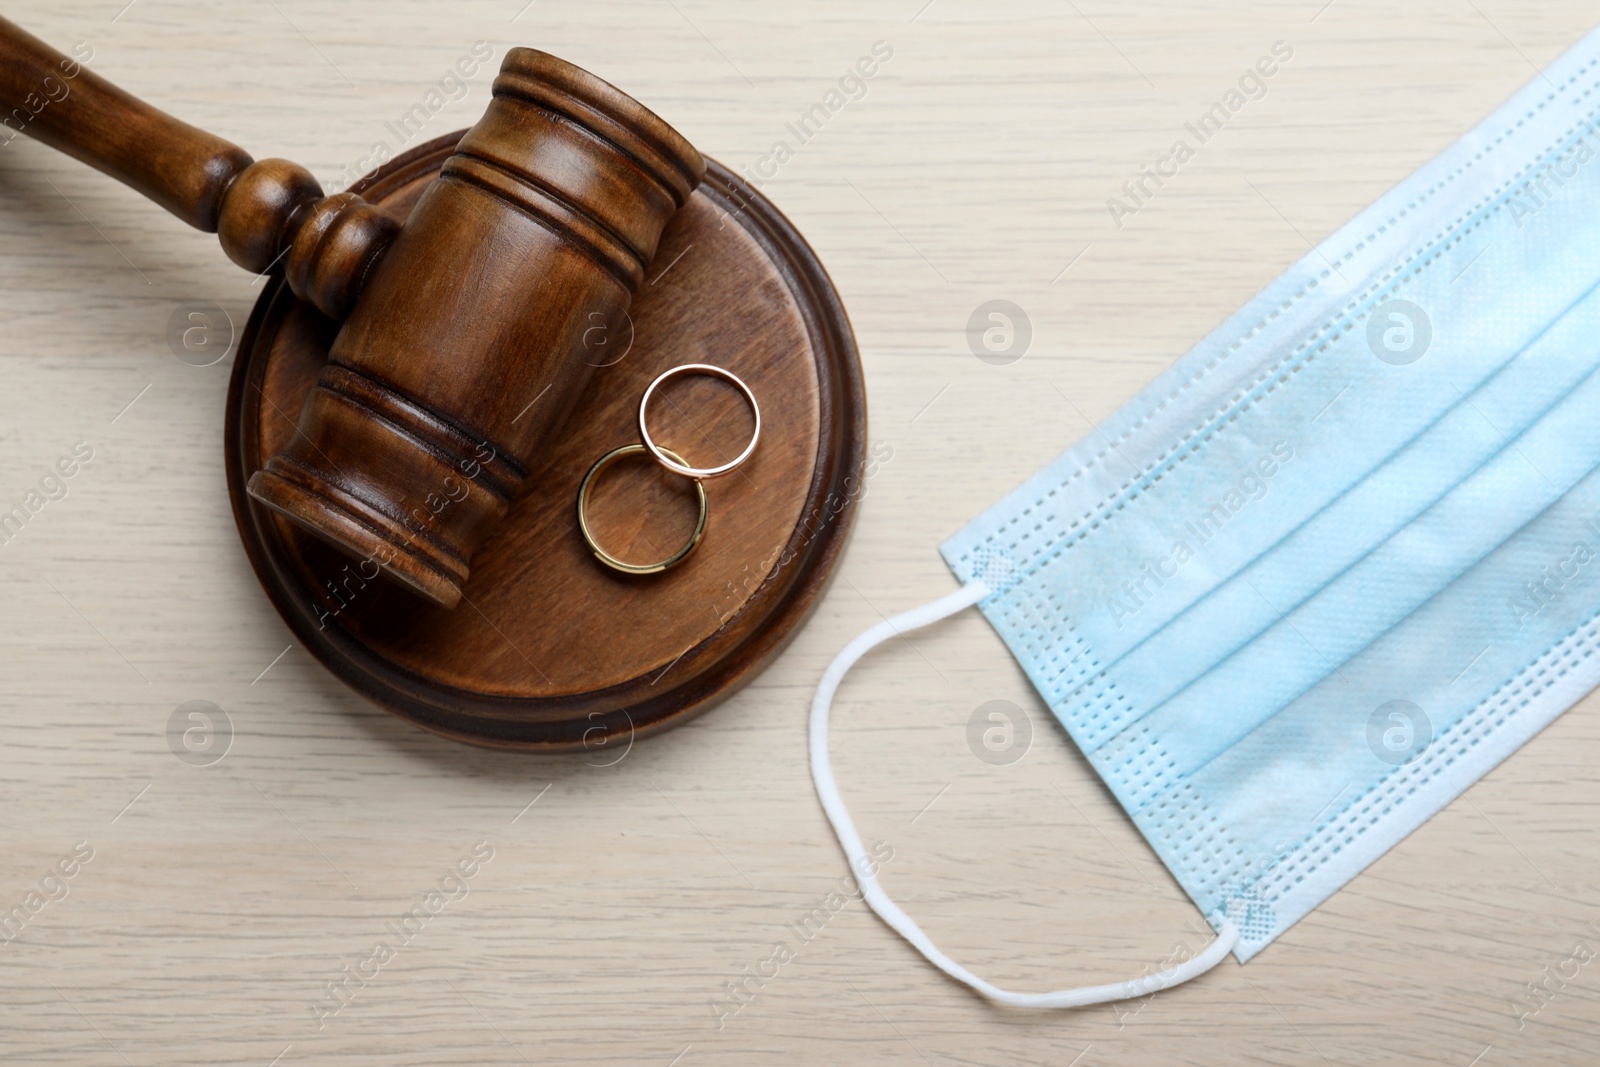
point(671, 460)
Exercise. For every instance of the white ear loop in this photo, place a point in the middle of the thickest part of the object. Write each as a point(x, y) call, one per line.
point(887, 909)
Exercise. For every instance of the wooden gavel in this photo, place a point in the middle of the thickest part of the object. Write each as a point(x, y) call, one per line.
point(462, 349)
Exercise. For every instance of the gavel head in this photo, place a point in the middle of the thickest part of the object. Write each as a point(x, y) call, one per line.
point(465, 347)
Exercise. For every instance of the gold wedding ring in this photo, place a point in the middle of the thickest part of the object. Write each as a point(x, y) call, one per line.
point(671, 460)
point(588, 535)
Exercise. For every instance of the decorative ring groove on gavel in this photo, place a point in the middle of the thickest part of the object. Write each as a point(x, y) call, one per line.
point(461, 351)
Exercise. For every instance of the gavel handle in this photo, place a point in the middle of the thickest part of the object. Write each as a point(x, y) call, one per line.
point(270, 216)
point(53, 98)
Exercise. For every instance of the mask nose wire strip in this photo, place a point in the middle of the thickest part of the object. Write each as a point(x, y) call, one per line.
point(887, 909)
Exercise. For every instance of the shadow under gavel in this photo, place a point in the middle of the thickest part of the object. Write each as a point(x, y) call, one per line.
point(462, 345)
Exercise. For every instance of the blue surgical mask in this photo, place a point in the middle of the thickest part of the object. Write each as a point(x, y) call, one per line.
point(1339, 561)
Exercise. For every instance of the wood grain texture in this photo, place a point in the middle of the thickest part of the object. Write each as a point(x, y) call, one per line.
point(976, 166)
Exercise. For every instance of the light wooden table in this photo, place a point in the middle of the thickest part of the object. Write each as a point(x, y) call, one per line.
point(220, 901)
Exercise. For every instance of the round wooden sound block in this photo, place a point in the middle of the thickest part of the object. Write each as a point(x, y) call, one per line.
point(549, 649)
